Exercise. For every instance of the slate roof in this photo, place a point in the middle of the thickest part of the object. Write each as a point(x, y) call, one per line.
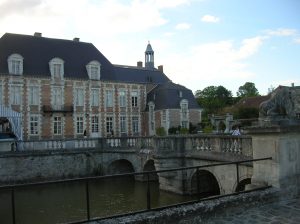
point(38, 51)
point(131, 74)
point(167, 96)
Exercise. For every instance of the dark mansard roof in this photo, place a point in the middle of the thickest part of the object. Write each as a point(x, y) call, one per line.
point(38, 51)
point(168, 96)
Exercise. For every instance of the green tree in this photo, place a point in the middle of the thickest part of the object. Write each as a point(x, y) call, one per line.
point(213, 98)
point(246, 90)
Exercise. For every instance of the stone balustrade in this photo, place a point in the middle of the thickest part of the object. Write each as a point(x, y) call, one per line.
point(241, 145)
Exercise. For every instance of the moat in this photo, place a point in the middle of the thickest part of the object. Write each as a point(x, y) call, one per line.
point(66, 202)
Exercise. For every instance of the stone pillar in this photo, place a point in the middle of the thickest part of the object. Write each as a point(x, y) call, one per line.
point(283, 145)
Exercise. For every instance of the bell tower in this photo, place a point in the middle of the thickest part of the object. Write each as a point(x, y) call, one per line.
point(149, 57)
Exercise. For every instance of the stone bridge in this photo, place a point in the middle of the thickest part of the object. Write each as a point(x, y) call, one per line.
point(57, 159)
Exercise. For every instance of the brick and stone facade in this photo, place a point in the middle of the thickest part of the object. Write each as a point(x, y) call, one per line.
point(62, 92)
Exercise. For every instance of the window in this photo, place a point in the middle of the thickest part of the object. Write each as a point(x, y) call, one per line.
point(57, 125)
point(15, 95)
point(123, 126)
point(33, 95)
point(184, 110)
point(151, 117)
point(79, 97)
point(1, 93)
point(93, 70)
point(134, 99)
point(79, 125)
point(109, 98)
point(15, 64)
point(57, 68)
point(57, 98)
point(94, 97)
point(135, 124)
point(122, 98)
point(95, 124)
point(34, 125)
point(109, 125)
point(184, 114)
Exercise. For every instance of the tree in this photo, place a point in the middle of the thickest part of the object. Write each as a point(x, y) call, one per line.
point(213, 98)
point(248, 89)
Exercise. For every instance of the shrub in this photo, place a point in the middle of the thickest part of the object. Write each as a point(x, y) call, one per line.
point(161, 131)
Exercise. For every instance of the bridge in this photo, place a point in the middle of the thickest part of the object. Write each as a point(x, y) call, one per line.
point(67, 158)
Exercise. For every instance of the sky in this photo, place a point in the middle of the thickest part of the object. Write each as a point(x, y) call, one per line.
point(200, 43)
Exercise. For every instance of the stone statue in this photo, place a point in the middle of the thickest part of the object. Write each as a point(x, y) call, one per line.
point(284, 104)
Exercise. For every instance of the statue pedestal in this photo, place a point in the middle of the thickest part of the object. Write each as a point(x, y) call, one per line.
point(282, 143)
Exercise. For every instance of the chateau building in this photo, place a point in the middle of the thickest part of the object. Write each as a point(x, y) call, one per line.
point(69, 89)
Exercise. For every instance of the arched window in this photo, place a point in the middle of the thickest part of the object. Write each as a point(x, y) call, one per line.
point(93, 70)
point(56, 66)
point(15, 64)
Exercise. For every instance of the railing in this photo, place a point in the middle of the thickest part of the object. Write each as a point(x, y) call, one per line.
point(240, 145)
point(148, 174)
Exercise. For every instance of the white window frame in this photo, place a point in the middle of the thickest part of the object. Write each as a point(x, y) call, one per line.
point(79, 97)
point(57, 97)
point(151, 106)
point(15, 64)
point(94, 97)
point(56, 66)
point(122, 98)
point(109, 98)
point(123, 124)
point(134, 98)
point(34, 124)
point(95, 124)
point(1, 93)
point(135, 121)
point(109, 124)
point(184, 113)
point(79, 125)
point(33, 95)
point(15, 95)
point(93, 69)
point(57, 125)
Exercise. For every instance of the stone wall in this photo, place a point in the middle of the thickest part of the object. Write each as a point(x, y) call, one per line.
point(199, 212)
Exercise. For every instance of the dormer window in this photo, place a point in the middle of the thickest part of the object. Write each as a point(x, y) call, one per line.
point(93, 70)
point(15, 64)
point(56, 66)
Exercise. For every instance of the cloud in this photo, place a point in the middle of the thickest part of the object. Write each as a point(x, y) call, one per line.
point(281, 32)
point(297, 40)
point(210, 19)
point(183, 26)
point(216, 62)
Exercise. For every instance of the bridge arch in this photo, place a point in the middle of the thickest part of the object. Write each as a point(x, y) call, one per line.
point(208, 184)
point(120, 166)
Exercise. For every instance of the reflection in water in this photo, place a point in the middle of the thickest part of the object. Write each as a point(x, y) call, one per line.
point(60, 203)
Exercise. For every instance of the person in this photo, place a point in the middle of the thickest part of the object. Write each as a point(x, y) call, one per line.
point(84, 133)
point(236, 131)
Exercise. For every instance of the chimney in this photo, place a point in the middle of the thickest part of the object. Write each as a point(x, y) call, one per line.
point(140, 64)
point(37, 34)
point(76, 39)
point(160, 68)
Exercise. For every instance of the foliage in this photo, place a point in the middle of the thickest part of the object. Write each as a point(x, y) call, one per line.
point(208, 129)
point(183, 131)
point(246, 90)
point(161, 131)
point(192, 129)
point(172, 131)
point(213, 99)
point(246, 113)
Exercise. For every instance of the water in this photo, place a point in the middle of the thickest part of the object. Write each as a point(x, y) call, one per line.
point(66, 202)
